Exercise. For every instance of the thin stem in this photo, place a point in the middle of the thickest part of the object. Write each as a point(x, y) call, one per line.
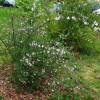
point(13, 30)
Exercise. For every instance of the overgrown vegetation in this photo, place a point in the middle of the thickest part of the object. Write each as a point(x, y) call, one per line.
point(37, 59)
point(41, 43)
point(26, 5)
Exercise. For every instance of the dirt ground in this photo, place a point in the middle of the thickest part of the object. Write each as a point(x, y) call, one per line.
point(9, 93)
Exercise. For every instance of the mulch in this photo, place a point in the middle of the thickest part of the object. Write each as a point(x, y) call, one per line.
point(9, 93)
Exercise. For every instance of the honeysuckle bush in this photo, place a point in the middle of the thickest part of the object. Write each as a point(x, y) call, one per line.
point(37, 65)
point(38, 48)
point(38, 60)
point(71, 23)
point(76, 26)
point(43, 64)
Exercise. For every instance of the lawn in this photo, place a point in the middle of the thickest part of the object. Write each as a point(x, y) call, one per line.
point(89, 65)
point(90, 71)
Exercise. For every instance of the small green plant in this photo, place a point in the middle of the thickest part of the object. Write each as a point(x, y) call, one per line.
point(1, 98)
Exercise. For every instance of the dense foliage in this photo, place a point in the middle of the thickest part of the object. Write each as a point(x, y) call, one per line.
point(38, 60)
point(72, 26)
point(40, 42)
point(1, 2)
point(43, 64)
point(26, 5)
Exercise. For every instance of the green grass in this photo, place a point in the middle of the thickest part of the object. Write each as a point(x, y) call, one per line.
point(90, 71)
point(97, 42)
point(1, 98)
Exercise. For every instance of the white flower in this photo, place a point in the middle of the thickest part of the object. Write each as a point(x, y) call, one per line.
point(48, 51)
point(21, 60)
point(52, 90)
point(26, 60)
point(74, 18)
point(48, 83)
point(96, 28)
point(62, 52)
point(48, 19)
point(85, 23)
point(65, 66)
point(33, 8)
point(57, 82)
point(95, 23)
point(30, 64)
point(34, 74)
point(33, 53)
point(68, 18)
point(97, 11)
point(77, 88)
point(27, 55)
point(42, 46)
point(57, 18)
point(58, 50)
point(39, 46)
point(68, 78)
point(72, 69)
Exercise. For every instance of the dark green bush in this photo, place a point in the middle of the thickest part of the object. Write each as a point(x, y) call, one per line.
point(1, 2)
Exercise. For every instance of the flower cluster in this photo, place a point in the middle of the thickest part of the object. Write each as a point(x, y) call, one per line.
point(96, 26)
point(42, 62)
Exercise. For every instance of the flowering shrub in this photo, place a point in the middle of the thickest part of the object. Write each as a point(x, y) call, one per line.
point(38, 64)
point(76, 26)
point(38, 60)
point(38, 48)
point(73, 25)
point(43, 64)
